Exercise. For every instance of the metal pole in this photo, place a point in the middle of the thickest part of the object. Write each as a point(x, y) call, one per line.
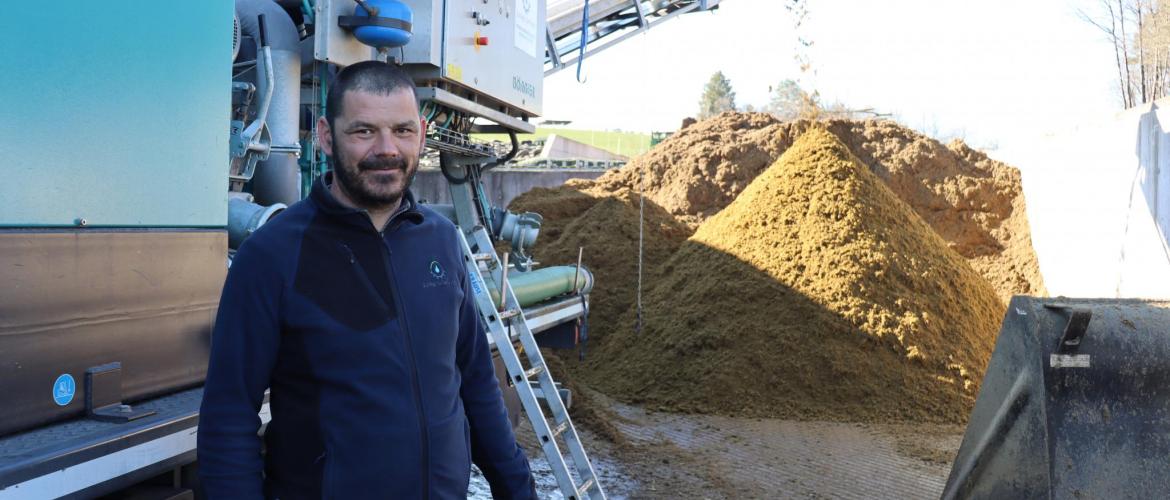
point(641, 218)
point(504, 284)
point(577, 270)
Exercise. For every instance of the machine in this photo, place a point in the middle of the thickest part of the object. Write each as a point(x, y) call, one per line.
point(1073, 404)
point(144, 142)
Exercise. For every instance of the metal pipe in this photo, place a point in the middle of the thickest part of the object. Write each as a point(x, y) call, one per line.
point(245, 217)
point(264, 87)
point(577, 270)
point(277, 179)
point(537, 286)
point(504, 284)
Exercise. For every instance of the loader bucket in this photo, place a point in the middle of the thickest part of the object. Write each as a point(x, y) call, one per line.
point(1075, 404)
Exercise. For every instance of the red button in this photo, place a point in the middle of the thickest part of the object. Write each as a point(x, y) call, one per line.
point(481, 40)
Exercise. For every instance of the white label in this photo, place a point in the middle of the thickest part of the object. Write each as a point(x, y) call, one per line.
point(525, 14)
point(1069, 361)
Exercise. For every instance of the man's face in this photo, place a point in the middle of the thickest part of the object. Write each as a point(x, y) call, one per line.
point(374, 146)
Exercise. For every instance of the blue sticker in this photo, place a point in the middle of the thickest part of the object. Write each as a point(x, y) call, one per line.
point(475, 287)
point(63, 389)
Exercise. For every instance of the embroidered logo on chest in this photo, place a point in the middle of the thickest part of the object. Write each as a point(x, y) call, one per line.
point(437, 271)
point(438, 275)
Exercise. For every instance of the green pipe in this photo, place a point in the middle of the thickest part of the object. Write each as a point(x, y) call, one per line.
point(534, 287)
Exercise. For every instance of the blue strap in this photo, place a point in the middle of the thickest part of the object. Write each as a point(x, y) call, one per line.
point(584, 40)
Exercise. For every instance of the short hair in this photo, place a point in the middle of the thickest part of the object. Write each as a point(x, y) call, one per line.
point(367, 76)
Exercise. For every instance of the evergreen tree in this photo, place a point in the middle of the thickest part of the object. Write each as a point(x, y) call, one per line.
point(717, 96)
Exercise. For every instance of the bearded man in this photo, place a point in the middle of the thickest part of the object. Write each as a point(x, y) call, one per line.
point(354, 310)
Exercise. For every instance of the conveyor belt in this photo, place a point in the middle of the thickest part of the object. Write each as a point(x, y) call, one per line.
point(610, 22)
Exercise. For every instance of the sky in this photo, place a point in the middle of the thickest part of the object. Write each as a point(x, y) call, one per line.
point(996, 73)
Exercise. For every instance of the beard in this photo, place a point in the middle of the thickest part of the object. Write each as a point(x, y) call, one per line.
point(368, 190)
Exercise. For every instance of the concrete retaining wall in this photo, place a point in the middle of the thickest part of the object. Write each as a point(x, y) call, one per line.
point(1099, 204)
point(556, 146)
point(501, 185)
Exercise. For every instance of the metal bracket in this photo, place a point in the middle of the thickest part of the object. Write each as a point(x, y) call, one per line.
point(642, 15)
point(1074, 330)
point(565, 394)
point(293, 149)
point(474, 108)
point(551, 45)
point(103, 395)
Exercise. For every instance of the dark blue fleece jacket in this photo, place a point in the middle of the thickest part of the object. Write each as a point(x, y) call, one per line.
point(381, 376)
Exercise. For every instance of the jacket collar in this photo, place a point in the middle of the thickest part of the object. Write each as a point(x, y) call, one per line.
point(324, 199)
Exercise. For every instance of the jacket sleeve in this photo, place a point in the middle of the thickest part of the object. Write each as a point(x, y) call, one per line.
point(493, 446)
point(244, 344)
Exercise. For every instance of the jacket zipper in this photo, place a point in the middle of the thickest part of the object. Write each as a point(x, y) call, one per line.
point(327, 473)
point(417, 389)
point(363, 279)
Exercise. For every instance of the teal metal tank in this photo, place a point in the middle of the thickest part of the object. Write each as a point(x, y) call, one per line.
point(114, 124)
point(115, 113)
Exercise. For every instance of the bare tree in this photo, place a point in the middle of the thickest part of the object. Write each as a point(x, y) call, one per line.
point(789, 101)
point(1139, 31)
point(1155, 37)
point(1108, 24)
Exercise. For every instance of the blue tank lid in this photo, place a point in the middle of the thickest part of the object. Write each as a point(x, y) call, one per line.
point(384, 36)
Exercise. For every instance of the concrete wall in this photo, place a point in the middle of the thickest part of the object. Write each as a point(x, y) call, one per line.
point(1099, 204)
point(501, 185)
point(556, 146)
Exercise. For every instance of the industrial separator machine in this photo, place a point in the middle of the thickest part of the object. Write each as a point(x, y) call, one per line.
point(143, 143)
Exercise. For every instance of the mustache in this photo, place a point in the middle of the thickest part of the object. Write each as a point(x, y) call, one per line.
point(382, 164)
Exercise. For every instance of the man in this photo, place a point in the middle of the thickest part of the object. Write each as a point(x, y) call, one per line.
point(354, 307)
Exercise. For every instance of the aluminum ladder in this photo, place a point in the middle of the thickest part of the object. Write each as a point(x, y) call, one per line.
point(504, 323)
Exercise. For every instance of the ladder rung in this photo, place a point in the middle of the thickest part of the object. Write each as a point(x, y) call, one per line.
point(556, 431)
point(534, 371)
point(510, 313)
point(560, 429)
point(483, 257)
point(583, 490)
